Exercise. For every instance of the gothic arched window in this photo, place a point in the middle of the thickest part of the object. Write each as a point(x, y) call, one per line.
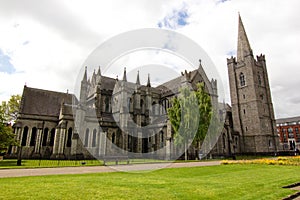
point(129, 104)
point(69, 137)
point(153, 108)
point(107, 104)
point(33, 136)
point(113, 138)
point(86, 138)
point(161, 138)
point(94, 138)
point(52, 137)
point(242, 79)
point(142, 106)
point(45, 137)
point(24, 137)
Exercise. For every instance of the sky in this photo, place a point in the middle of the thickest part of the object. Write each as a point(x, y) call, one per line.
point(44, 44)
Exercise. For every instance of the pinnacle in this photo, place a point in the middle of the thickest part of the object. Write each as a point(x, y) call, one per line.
point(138, 78)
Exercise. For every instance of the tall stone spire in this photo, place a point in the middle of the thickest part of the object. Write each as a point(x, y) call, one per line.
point(243, 48)
point(83, 87)
point(124, 76)
point(138, 78)
point(85, 75)
point(99, 71)
point(148, 82)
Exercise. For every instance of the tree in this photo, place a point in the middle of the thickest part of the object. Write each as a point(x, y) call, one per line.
point(9, 110)
point(183, 116)
point(8, 114)
point(7, 138)
point(190, 116)
point(205, 116)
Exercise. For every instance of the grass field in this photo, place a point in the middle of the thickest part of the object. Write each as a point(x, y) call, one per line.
point(12, 163)
point(238, 181)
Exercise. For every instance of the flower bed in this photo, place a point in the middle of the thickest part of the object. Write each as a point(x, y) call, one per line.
point(289, 160)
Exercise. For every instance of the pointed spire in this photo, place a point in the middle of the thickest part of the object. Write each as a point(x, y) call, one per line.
point(98, 76)
point(85, 75)
point(138, 78)
point(124, 76)
point(243, 48)
point(148, 82)
point(99, 71)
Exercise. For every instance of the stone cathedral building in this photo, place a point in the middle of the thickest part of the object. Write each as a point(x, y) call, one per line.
point(114, 115)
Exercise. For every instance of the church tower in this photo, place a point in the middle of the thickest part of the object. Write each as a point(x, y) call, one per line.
point(252, 108)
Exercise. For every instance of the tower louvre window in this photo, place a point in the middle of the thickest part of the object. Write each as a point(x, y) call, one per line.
point(242, 79)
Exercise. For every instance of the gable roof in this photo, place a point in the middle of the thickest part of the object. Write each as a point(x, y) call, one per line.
point(43, 102)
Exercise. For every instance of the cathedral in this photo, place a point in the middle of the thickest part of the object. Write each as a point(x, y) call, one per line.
point(119, 117)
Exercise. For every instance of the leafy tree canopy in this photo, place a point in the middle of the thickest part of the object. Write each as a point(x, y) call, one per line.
point(8, 114)
point(10, 109)
point(190, 115)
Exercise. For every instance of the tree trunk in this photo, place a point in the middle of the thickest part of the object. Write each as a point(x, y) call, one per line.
point(185, 151)
point(197, 150)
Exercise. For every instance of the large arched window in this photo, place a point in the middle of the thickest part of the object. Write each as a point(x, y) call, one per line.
point(142, 105)
point(24, 137)
point(94, 138)
point(69, 137)
point(129, 102)
point(33, 136)
point(242, 79)
point(45, 136)
point(153, 108)
point(113, 138)
point(107, 104)
point(86, 138)
point(161, 139)
point(52, 137)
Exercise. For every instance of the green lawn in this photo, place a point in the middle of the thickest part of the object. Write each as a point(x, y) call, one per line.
point(12, 163)
point(215, 182)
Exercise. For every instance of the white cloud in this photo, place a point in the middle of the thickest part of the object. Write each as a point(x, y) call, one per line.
point(48, 41)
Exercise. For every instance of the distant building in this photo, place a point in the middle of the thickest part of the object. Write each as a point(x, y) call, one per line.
point(288, 131)
point(111, 114)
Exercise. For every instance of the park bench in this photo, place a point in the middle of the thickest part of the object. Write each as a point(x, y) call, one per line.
point(116, 159)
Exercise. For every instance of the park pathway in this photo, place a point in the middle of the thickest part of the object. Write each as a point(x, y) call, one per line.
point(136, 168)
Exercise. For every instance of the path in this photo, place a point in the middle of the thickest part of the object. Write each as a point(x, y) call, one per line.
point(98, 169)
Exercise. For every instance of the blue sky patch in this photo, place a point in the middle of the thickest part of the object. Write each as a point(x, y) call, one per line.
point(178, 18)
point(5, 64)
point(231, 53)
point(26, 42)
point(221, 1)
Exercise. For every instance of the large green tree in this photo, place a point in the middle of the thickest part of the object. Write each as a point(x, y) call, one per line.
point(205, 115)
point(7, 138)
point(190, 116)
point(10, 109)
point(8, 114)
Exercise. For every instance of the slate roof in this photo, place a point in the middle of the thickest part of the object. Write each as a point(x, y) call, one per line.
point(172, 86)
point(44, 102)
point(108, 83)
point(288, 120)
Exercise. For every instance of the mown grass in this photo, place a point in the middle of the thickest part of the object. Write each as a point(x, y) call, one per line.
point(12, 163)
point(214, 182)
